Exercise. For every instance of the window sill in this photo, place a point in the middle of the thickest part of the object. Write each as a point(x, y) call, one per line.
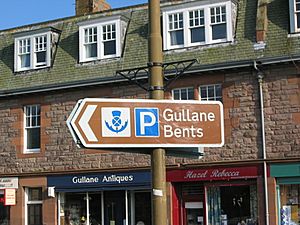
point(32, 70)
point(199, 47)
point(99, 61)
point(294, 35)
point(30, 154)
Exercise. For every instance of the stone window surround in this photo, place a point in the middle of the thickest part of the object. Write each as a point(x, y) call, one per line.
point(33, 122)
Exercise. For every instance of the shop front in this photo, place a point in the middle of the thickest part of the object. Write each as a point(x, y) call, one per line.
point(288, 192)
point(103, 199)
point(214, 196)
point(8, 187)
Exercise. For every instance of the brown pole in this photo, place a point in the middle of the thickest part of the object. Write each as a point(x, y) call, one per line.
point(159, 198)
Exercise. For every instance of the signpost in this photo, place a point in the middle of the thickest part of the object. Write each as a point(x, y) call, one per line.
point(127, 123)
point(149, 124)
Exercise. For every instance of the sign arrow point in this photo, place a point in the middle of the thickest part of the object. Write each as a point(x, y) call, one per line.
point(84, 123)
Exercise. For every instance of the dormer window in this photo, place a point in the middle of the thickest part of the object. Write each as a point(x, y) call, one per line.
point(34, 50)
point(294, 16)
point(100, 39)
point(196, 24)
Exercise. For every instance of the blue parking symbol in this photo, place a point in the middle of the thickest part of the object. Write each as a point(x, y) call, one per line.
point(146, 122)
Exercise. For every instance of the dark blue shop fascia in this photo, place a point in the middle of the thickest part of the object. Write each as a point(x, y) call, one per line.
point(137, 180)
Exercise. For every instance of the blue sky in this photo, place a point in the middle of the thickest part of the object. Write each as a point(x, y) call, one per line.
point(16, 13)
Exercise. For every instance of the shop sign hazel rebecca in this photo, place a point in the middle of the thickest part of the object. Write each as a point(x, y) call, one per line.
point(212, 174)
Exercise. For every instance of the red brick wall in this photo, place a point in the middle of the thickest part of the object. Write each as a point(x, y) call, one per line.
point(241, 114)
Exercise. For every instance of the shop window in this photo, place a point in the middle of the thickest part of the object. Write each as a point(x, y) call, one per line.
point(4, 210)
point(290, 203)
point(35, 49)
point(183, 93)
point(232, 205)
point(100, 39)
point(107, 207)
point(211, 92)
point(34, 205)
point(198, 24)
point(294, 16)
point(32, 129)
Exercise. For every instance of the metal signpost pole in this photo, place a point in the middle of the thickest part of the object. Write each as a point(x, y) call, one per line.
point(159, 198)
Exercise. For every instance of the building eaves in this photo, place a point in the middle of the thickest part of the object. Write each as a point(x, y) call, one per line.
point(118, 79)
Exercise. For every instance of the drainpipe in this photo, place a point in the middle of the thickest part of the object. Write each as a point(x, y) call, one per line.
point(260, 78)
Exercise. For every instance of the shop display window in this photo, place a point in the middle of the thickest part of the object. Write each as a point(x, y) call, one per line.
point(105, 208)
point(4, 211)
point(290, 204)
point(232, 205)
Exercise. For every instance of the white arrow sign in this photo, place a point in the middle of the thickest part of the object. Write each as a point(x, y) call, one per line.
point(84, 122)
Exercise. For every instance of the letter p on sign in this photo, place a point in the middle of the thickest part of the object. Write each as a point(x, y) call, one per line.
point(146, 122)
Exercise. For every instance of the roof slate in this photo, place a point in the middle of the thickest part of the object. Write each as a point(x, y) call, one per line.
point(67, 69)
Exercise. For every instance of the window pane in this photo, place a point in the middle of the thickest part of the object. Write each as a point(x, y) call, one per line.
point(298, 20)
point(33, 138)
point(197, 34)
point(109, 47)
point(183, 94)
point(35, 214)
point(176, 37)
point(37, 118)
point(203, 93)
point(190, 94)
point(219, 31)
point(25, 61)
point(35, 194)
point(211, 91)
point(218, 90)
point(176, 95)
point(41, 57)
point(91, 50)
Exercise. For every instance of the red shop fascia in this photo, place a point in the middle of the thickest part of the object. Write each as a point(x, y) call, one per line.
point(189, 185)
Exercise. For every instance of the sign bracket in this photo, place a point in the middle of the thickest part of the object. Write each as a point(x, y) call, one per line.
point(171, 72)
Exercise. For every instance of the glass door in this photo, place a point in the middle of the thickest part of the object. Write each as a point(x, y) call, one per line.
point(114, 203)
point(193, 196)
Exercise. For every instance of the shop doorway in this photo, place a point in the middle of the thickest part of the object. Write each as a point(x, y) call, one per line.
point(193, 197)
point(115, 208)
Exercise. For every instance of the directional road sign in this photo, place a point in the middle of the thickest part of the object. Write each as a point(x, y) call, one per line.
point(110, 123)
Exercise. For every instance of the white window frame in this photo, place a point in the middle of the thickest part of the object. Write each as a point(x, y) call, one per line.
point(294, 13)
point(32, 52)
point(180, 92)
point(210, 98)
point(99, 24)
point(27, 202)
point(26, 127)
point(185, 9)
